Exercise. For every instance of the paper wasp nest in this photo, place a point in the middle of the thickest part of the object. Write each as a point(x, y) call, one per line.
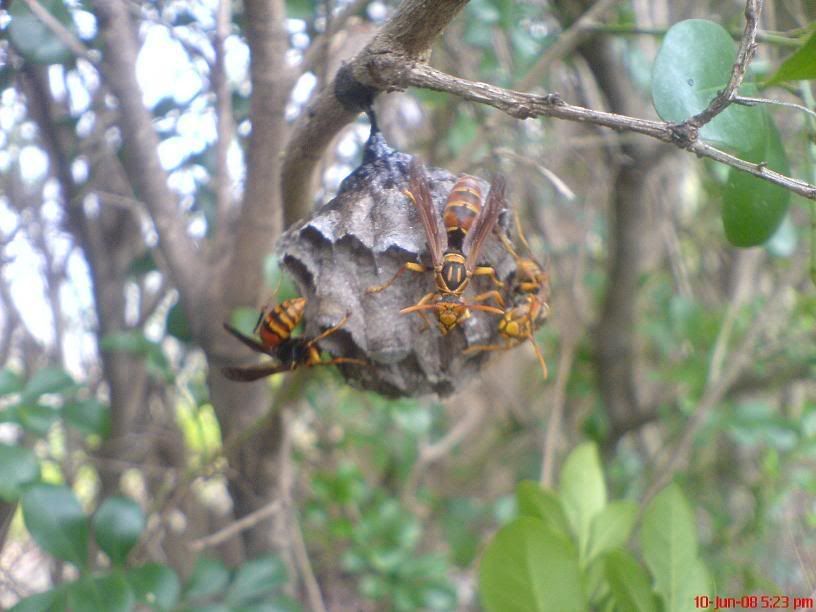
point(360, 239)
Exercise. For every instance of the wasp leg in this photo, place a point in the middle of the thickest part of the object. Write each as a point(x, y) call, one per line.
point(539, 355)
point(488, 271)
point(477, 348)
point(336, 360)
point(410, 265)
point(483, 297)
point(328, 332)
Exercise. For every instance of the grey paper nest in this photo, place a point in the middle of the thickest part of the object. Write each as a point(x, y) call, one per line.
point(360, 239)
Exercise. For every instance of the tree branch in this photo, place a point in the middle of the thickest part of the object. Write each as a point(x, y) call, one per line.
point(390, 73)
point(260, 221)
point(141, 144)
point(408, 36)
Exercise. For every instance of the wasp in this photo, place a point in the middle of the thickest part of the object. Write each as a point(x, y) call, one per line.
point(530, 290)
point(466, 234)
point(274, 328)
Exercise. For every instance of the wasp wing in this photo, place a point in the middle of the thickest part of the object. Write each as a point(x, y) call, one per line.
point(485, 222)
point(420, 193)
point(246, 340)
point(250, 373)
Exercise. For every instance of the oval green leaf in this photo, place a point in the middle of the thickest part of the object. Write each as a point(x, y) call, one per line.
point(110, 593)
point(669, 544)
point(753, 208)
point(48, 601)
point(117, 524)
point(628, 582)
point(693, 64)
point(48, 380)
point(611, 527)
point(800, 66)
point(56, 521)
point(209, 577)
point(583, 491)
point(35, 418)
point(155, 585)
point(256, 578)
point(529, 568)
point(32, 38)
point(88, 416)
point(18, 467)
point(533, 500)
point(10, 382)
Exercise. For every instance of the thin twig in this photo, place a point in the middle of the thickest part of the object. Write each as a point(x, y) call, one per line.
point(315, 597)
point(236, 527)
point(749, 101)
point(392, 73)
point(559, 396)
point(780, 39)
point(747, 47)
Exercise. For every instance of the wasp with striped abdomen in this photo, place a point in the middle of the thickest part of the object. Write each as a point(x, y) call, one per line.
point(467, 225)
point(274, 330)
point(530, 287)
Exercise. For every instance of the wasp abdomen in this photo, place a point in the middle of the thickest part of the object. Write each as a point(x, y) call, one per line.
point(277, 323)
point(462, 207)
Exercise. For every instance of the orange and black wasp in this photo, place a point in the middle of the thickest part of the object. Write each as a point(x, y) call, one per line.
point(274, 328)
point(531, 291)
point(467, 226)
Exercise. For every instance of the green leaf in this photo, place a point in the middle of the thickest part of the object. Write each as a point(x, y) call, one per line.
point(753, 209)
point(48, 601)
point(155, 584)
point(533, 500)
point(611, 527)
point(117, 524)
point(529, 568)
point(110, 592)
point(35, 418)
point(209, 577)
point(47, 380)
point(669, 544)
point(583, 491)
point(256, 578)
point(10, 382)
point(300, 9)
point(89, 416)
point(800, 66)
point(131, 341)
point(628, 582)
point(33, 39)
point(56, 521)
point(18, 467)
point(693, 64)
point(177, 324)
